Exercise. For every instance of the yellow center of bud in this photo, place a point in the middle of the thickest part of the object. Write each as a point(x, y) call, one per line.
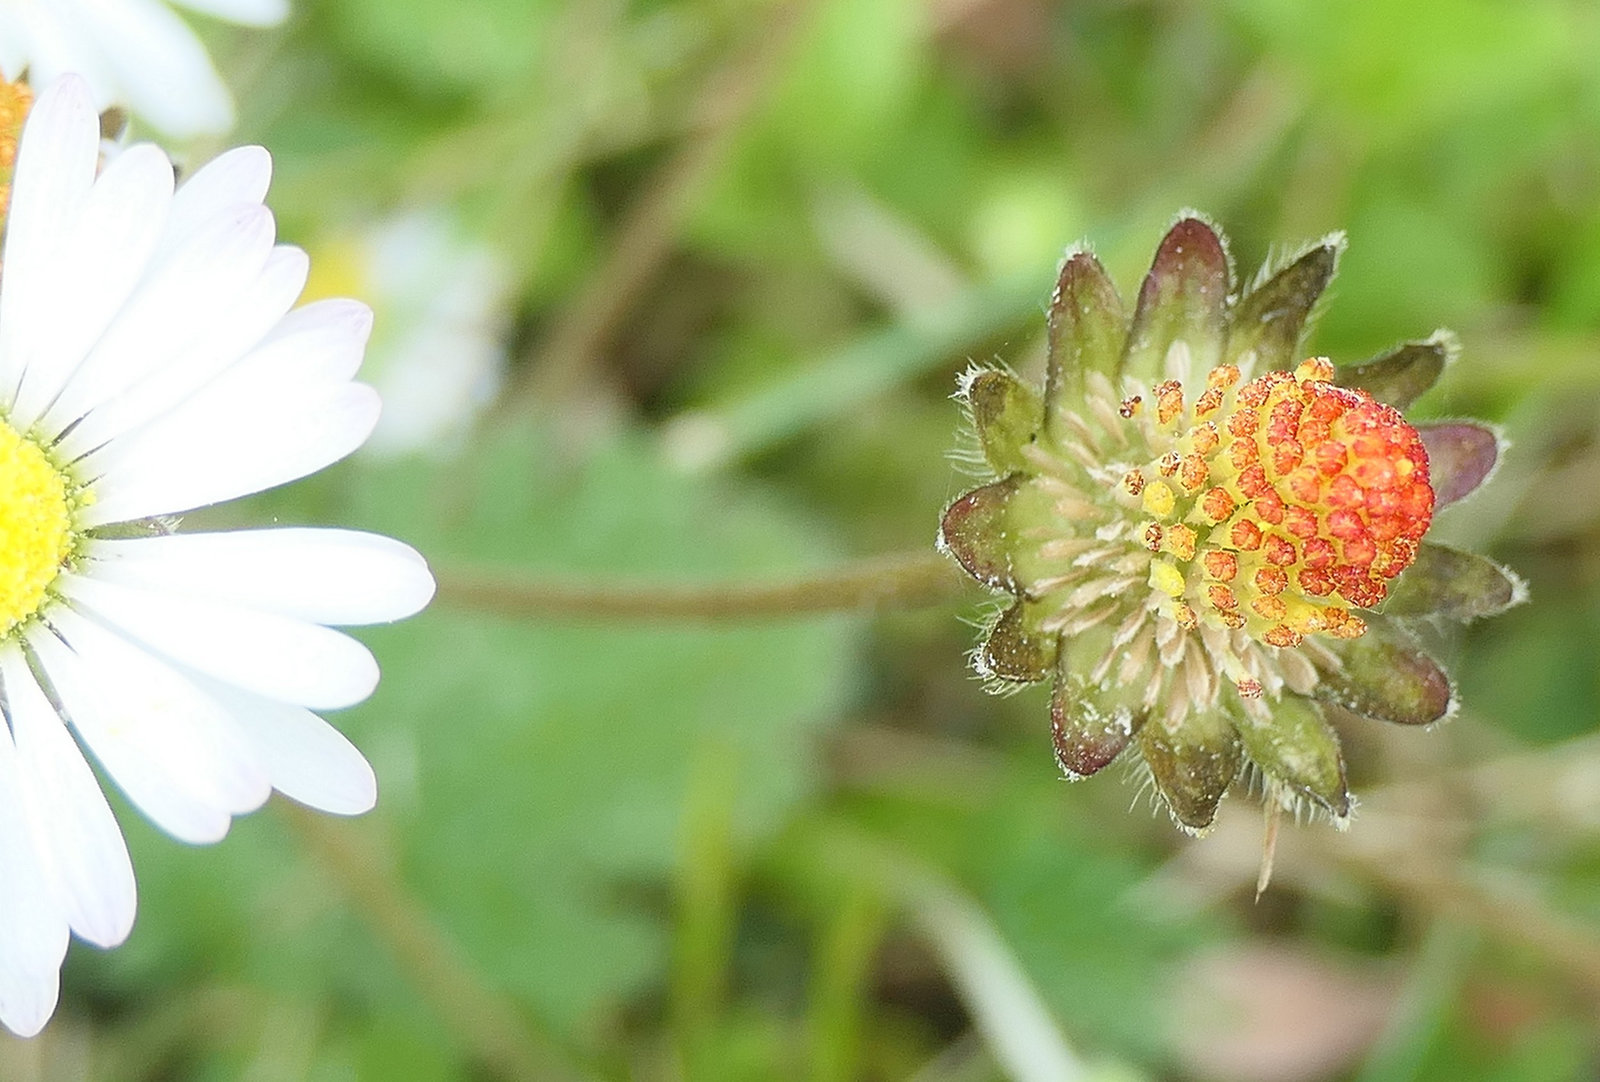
point(1280, 504)
point(36, 535)
point(15, 101)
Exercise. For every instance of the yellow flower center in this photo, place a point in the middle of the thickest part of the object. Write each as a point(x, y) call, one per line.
point(15, 100)
point(1280, 503)
point(36, 535)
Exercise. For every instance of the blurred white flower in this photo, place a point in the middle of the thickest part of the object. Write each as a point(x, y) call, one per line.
point(134, 53)
point(150, 363)
point(438, 356)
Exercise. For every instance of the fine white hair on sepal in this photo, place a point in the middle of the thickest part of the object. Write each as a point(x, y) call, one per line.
point(1280, 257)
point(967, 455)
point(1191, 213)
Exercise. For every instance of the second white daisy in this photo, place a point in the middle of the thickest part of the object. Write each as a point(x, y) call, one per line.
point(135, 53)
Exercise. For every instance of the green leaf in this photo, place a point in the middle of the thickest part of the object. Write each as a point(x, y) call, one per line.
point(1007, 414)
point(1269, 321)
point(1453, 584)
point(1180, 322)
point(466, 45)
point(1400, 376)
point(532, 768)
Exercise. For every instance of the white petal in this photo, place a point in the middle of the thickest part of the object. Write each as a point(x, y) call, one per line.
point(237, 436)
point(247, 12)
point(168, 746)
point(160, 66)
point(321, 341)
point(13, 45)
point(307, 759)
point(77, 836)
point(268, 654)
point(57, 45)
point(180, 301)
point(320, 576)
point(102, 257)
point(230, 327)
point(236, 177)
point(33, 930)
point(55, 168)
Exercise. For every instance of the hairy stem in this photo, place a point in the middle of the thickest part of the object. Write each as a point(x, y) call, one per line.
point(900, 581)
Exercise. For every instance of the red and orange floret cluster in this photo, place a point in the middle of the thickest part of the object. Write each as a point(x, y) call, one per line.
point(1281, 504)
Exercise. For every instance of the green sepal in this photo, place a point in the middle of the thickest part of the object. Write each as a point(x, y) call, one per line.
point(974, 530)
point(1194, 766)
point(1014, 651)
point(1295, 747)
point(1461, 456)
point(1400, 376)
point(1085, 329)
point(1183, 298)
point(1007, 414)
point(1270, 319)
point(1453, 584)
point(1384, 677)
point(1088, 727)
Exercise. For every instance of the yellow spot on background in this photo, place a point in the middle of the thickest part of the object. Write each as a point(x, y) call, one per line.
point(340, 267)
point(35, 527)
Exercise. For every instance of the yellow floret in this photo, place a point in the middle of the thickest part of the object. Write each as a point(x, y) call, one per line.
point(35, 527)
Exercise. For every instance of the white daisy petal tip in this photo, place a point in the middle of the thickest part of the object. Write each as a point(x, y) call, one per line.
point(351, 791)
point(27, 1000)
point(67, 96)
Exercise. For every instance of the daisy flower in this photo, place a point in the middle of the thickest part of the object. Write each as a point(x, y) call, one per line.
point(135, 53)
point(1212, 551)
point(151, 363)
point(443, 304)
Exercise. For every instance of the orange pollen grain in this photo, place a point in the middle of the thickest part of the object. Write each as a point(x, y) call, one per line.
point(1305, 498)
point(1181, 541)
point(1169, 400)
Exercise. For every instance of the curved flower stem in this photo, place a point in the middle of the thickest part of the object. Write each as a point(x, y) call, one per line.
point(900, 581)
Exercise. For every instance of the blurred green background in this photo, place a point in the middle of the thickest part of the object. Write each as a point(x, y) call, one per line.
point(707, 270)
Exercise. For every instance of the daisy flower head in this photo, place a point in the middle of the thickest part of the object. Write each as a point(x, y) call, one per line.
point(1209, 545)
point(134, 53)
point(151, 363)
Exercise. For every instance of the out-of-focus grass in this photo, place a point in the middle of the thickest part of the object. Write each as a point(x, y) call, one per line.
point(759, 238)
